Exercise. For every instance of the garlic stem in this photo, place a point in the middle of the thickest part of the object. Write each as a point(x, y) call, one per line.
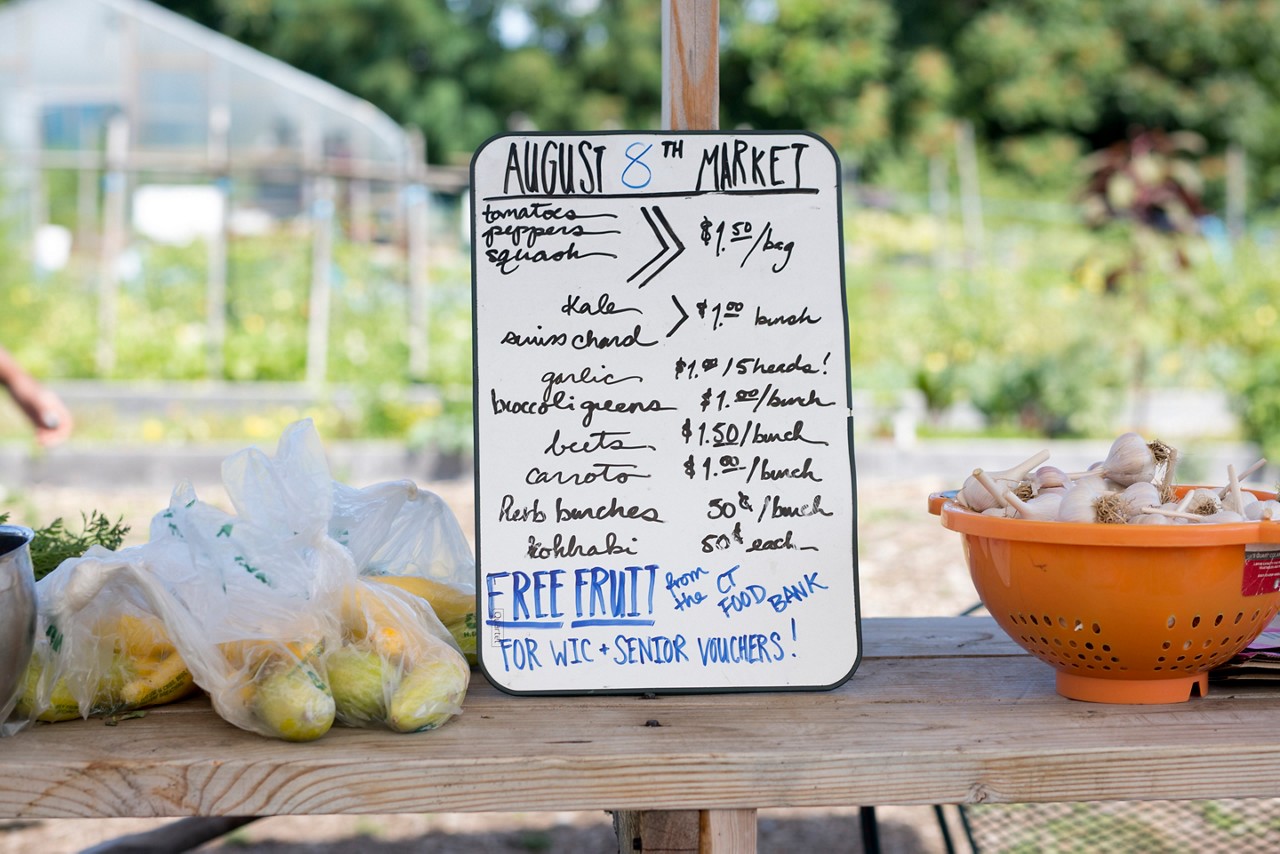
point(1173, 514)
point(1022, 469)
point(1244, 475)
point(1233, 483)
point(1185, 502)
point(990, 485)
point(1042, 508)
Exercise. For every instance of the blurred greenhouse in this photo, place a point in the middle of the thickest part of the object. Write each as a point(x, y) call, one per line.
point(126, 128)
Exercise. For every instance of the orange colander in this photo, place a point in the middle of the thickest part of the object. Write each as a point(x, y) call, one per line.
point(1123, 613)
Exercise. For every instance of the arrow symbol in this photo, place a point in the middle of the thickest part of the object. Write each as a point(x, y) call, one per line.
point(684, 315)
point(662, 230)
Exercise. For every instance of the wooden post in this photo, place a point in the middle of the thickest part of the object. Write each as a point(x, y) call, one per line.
point(114, 211)
point(360, 210)
point(216, 269)
point(321, 280)
point(690, 64)
point(415, 207)
point(86, 187)
point(690, 101)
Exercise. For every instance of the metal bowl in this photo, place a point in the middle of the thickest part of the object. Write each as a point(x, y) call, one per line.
point(17, 613)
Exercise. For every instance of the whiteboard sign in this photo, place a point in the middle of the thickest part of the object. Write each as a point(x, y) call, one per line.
point(664, 453)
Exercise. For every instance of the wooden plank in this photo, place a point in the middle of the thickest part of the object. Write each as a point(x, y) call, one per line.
point(691, 64)
point(909, 637)
point(727, 832)
point(657, 831)
point(946, 728)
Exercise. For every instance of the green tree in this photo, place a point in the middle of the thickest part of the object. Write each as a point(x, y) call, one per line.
point(820, 65)
point(424, 63)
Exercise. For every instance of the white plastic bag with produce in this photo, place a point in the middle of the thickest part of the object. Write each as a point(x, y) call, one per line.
point(408, 537)
point(393, 663)
point(105, 654)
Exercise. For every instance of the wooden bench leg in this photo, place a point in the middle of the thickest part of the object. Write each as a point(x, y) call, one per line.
point(727, 832)
point(686, 831)
point(181, 835)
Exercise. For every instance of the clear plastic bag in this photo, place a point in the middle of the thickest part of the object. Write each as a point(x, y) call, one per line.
point(101, 655)
point(393, 662)
point(253, 608)
point(397, 666)
point(407, 537)
point(259, 606)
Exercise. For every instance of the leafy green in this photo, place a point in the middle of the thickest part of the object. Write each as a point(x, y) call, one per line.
point(54, 543)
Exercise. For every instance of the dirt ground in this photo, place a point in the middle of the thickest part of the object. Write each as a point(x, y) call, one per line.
point(908, 565)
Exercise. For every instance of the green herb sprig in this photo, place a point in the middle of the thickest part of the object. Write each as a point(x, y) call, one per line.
point(54, 543)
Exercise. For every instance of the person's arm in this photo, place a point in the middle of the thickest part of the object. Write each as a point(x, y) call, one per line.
point(44, 409)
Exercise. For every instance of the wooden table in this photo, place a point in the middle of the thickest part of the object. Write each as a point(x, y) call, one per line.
point(943, 710)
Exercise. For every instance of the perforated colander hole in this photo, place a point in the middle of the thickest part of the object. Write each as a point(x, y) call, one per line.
point(1106, 647)
point(1088, 644)
point(1062, 621)
point(1097, 629)
point(1195, 621)
point(1165, 645)
point(1217, 621)
point(1172, 621)
point(1034, 620)
point(1186, 644)
point(1239, 617)
point(1208, 642)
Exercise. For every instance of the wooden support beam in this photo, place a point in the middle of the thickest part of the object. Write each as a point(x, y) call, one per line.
point(691, 64)
point(690, 101)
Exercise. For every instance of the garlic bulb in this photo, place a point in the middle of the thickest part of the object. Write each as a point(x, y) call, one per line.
point(1130, 460)
point(1084, 504)
point(1200, 501)
point(1138, 495)
point(1042, 508)
point(974, 495)
point(996, 490)
point(1263, 510)
point(1134, 485)
point(1049, 477)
